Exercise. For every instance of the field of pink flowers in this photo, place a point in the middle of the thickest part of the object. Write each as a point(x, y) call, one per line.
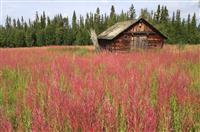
point(61, 89)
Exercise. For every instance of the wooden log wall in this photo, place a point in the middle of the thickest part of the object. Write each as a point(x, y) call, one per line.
point(126, 40)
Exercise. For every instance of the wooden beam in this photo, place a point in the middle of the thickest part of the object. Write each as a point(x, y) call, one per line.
point(141, 33)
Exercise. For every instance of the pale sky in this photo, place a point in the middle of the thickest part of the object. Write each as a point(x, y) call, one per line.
point(27, 8)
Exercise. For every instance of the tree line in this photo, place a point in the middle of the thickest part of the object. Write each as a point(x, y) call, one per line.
point(59, 31)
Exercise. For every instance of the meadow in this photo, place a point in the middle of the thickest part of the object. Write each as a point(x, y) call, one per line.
point(76, 89)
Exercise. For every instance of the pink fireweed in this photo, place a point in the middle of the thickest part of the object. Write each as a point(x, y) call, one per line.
point(46, 90)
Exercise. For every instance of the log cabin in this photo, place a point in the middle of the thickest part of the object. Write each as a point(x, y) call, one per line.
point(131, 34)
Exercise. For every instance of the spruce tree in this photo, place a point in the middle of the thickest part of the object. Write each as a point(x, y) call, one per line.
point(40, 37)
point(164, 15)
point(14, 23)
point(194, 36)
point(59, 36)
point(3, 36)
point(30, 37)
point(43, 30)
point(189, 35)
point(112, 19)
point(173, 18)
point(96, 21)
point(19, 38)
point(158, 14)
point(178, 29)
point(22, 22)
point(132, 14)
point(67, 35)
point(8, 22)
point(145, 14)
point(122, 16)
point(11, 42)
point(81, 32)
point(43, 20)
point(50, 34)
point(74, 27)
point(19, 26)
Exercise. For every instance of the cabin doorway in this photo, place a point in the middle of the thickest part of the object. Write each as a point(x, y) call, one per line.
point(140, 41)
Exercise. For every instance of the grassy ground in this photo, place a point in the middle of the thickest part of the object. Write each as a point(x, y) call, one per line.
point(74, 89)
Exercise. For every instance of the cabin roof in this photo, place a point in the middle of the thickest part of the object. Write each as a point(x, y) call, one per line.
point(115, 30)
point(120, 27)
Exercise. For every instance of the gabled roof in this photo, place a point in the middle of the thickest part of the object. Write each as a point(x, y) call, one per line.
point(120, 27)
point(115, 30)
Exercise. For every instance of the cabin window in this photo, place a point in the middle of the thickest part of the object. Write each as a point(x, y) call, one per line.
point(140, 25)
point(138, 28)
point(125, 37)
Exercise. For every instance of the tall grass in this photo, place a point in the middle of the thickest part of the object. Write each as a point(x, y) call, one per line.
point(61, 90)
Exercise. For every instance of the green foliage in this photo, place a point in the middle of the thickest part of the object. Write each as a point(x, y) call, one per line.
point(1, 95)
point(145, 14)
point(119, 105)
point(30, 37)
point(60, 36)
point(113, 17)
point(19, 38)
point(181, 46)
point(157, 14)
point(154, 87)
point(121, 119)
point(97, 21)
point(81, 51)
point(58, 30)
point(132, 14)
point(10, 40)
point(17, 82)
point(176, 117)
point(68, 39)
point(26, 118)
point(41, 40)
point(194, 70)
point(49, 34)
point(75, 50)
point(74, 27)
point(13, 82)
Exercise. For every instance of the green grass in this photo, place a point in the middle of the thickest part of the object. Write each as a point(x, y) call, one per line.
point(121, 119)
point(154, 87)
point(176, 118)
point(75, 50)
point(194, 70)
point(12, 90)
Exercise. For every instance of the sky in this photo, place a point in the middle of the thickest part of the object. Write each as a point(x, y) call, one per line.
point(28, 8)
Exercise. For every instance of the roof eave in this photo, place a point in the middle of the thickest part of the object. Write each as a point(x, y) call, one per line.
point(105, 38)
